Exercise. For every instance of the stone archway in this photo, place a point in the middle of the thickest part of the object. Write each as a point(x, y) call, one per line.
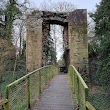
point(75, 37)
point(53, 18)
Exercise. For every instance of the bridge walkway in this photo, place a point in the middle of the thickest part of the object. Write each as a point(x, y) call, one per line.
point(23, 93)
point(57, 96)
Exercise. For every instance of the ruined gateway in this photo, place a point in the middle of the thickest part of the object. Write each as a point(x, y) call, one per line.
point(74, 36)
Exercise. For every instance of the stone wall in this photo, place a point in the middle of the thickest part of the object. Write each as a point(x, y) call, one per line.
point(75, 37)
point(34, 41)
point(78, 39)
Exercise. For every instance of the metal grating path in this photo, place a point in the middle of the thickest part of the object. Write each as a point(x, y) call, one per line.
point(57, 96)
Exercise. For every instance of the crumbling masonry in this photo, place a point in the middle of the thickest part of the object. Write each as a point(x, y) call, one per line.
point(75, 37)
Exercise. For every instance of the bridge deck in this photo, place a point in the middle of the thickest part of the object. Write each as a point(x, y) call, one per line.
point(57, 96)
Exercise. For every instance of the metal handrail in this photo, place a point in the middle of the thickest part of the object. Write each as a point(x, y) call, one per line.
point(89, 106)
point(25, 76)
point(80, 89)
point(22, 93)
point(16, 98)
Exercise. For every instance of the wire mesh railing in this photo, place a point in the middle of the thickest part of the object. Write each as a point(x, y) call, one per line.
point(79, 89)
point(23, 93)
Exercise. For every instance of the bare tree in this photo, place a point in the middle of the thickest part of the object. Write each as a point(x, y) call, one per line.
point(57, 7)
point(91, 30)
point(19, 31)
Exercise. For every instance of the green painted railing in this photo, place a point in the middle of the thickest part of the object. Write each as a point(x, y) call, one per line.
point(24, 92)
point(79, 89)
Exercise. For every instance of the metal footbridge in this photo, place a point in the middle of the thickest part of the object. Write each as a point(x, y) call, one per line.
point(45, 89)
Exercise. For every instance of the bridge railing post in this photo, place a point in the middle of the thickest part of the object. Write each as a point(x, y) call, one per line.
point(78, 91)
point(49, 77)
point(52, 71)
point(74, 81)
point(46, 73)
point(28, 89)
point(44, 70)
point(8, 97)
point(39, 82)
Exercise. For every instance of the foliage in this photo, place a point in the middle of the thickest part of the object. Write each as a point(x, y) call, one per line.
point(11, 13)
point(101, 44)
point(102, 18)
point(7, 64)
point(51, 52)
point(99, 56)
point(8, 75)
point(100, 101)
point(12, 63)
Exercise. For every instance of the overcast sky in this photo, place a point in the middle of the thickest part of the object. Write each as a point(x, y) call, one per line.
point(81, 4)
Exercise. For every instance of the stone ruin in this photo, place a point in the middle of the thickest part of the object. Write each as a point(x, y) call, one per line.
point(74, 37)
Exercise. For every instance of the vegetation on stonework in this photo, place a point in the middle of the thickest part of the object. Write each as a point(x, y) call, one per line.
point(99, 57)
